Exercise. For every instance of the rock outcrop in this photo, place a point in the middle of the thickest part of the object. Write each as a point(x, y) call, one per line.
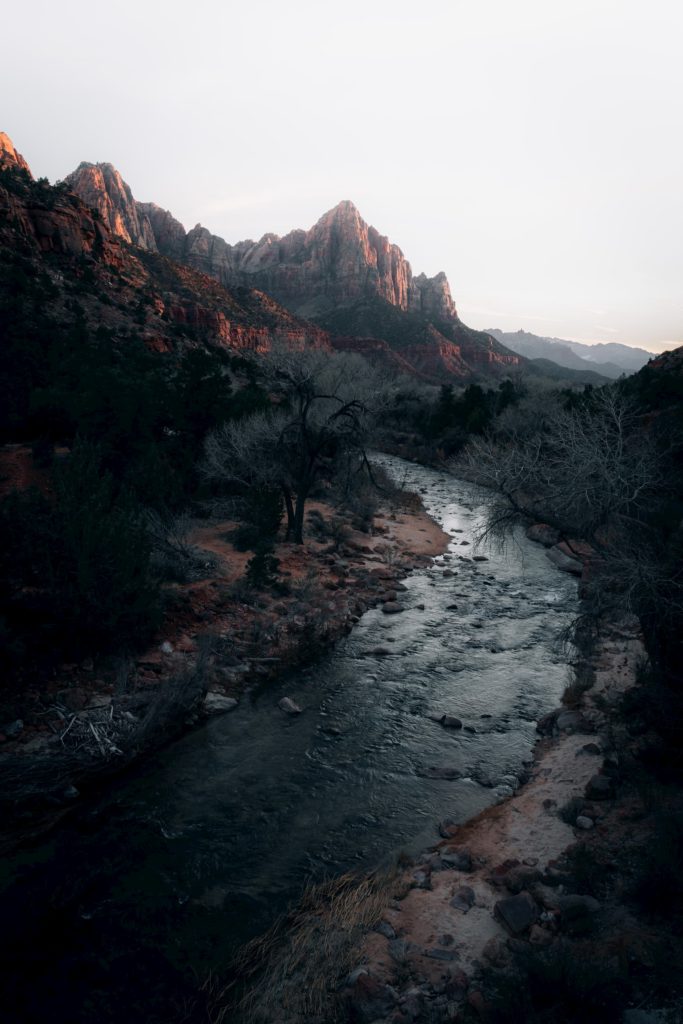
point(129, 290)
point(9, 156)
point(102, 188)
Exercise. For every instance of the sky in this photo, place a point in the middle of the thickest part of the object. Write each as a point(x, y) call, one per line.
point(531, 149)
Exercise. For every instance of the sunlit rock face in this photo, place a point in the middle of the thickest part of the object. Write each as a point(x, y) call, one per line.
point(341, 273)
point(9, 156)
point(102, 188)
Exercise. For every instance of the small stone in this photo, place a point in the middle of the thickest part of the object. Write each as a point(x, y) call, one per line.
point(289, 706)
point(517, 912)
point(392, 608)
point(540, 936)
point(13, 729)
point(447, 828)
point(463, 899)
point(583, 821)
point(217, 704)
point(495, 951)
point(480, 558)
point(600, 788)
point(166, 647)
point(457, 859)
point(385, 929)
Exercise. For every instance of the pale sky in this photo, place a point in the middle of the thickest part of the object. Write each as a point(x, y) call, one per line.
point(532, 149)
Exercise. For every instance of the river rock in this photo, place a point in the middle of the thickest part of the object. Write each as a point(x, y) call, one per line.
point(370, 999)
point(576, 912)
point(564, 562)
point(458, 859)
point(447, 828)
point(599, 787)
point(463, 899)
point(289, 706)
point(480, 558)
point(451, 722)
point(517, 913)
point(13, 729)
point(571, 721)
point(541, 533)
point(217, 704)
point(392, 608)
point(583, 821)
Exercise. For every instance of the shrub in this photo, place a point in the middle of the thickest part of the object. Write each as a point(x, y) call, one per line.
point(262, 570)
point(566, 983)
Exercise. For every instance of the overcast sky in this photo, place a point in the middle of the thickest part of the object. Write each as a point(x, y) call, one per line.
point(532, 149)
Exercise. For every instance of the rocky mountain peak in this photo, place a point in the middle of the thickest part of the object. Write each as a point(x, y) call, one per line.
point(102, 188)
point(9, 157)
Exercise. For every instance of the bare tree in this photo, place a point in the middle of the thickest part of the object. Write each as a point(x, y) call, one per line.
point(323, 408)
point(594, 472)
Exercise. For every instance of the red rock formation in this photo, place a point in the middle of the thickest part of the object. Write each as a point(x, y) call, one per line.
point(341, 264)
point(9, 156)
point(102, 188)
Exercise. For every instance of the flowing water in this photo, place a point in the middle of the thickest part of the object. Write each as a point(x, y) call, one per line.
point(152, 886)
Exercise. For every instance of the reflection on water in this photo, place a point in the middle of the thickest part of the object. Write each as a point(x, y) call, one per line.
point(210, 840)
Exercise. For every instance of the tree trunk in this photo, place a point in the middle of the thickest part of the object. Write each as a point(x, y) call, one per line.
point(289, 506)
point(299, 517)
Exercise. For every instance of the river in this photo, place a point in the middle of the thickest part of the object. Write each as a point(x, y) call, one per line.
point(117, 913)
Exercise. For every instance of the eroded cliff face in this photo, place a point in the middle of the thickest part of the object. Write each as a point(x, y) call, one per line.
point(9, 156)
point(341, 263)
point(130, 290)
point(102, 188)
point(340, 260)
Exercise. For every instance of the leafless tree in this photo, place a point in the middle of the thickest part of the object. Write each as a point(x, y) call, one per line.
point(593, 471)
point(323, 408)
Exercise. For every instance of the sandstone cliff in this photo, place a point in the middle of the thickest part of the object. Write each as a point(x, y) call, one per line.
point(341, 273)
point(9, 156)
point(128, 289)
point(102, 188)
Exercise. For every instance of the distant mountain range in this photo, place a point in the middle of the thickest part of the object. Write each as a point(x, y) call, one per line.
point(608, 359)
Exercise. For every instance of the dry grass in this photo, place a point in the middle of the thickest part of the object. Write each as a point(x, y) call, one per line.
point(291, 974)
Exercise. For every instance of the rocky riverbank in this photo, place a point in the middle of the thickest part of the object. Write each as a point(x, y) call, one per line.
point(220, 637)
point(501, 881)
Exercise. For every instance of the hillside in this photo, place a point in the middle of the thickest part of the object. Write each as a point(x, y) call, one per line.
point(610, 360)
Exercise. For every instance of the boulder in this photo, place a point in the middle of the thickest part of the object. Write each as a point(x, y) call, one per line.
point(517, 913)
point(457, 859)
point(541, 533)
point(451, 722)
point(600, 787)
point(369, 998)
point(564, 562)
point(463, 899)
point(289, 706)
point(571, 721)
point(217, 704)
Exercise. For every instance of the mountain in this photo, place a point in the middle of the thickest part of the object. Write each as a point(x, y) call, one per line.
point(9, 158)
point(341, 273)
point(49, 234)
point(609, 359)
point(553, 370)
